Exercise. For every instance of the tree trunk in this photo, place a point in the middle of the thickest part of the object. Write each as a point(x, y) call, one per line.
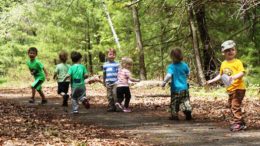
point(89, 46)
point(162, 46)
point(200, 75)
point(111, 25)
point(209, 61)
point(139, 42)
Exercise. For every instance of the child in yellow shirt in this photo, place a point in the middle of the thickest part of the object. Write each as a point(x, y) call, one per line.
point(232, 72)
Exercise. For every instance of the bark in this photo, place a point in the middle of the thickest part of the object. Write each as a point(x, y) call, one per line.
point(209, 60)
point(111, 25)
point(88, 46)
point(139, 42)
point(193, 29)
point(162, 50)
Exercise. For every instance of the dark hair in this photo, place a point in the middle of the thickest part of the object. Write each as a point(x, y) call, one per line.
point(75, 56)
point(111, 50)
point(63, 55)
point(176, 55)
point(33, 49)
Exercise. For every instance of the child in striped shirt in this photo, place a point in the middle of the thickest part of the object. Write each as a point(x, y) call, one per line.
point(110, 70)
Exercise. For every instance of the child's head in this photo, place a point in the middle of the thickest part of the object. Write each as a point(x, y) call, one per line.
point(126, 62)
point(63, 55)
point(75, 56)
point(176, 55)
point(228, 49)
point(32, 52)
point(111, 54)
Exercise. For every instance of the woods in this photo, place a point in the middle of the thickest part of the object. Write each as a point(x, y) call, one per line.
point(146, 31)
point(164, 65)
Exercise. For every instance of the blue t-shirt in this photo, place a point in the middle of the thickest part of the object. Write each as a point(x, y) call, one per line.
point(111, 70)
point(179, 72)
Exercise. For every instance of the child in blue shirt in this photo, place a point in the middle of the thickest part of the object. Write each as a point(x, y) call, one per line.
point(178, 72)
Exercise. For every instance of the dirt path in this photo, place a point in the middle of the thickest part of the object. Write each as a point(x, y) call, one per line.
point(148, 125)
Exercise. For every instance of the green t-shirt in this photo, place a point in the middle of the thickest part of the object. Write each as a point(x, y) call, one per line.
point(77, 72)
point(61, 71)
point(36, 68)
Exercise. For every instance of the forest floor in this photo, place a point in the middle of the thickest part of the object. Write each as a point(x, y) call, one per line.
point(32, 124)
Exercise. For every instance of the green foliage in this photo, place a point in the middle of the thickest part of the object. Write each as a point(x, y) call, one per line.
point(52, 26)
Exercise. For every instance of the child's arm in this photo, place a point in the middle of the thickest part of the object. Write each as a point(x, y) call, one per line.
point(166, 79)
point(214, 80)
point(237, 76)
point(46, 74)
point(66, 77)
point(134, 80)
point(55, 76)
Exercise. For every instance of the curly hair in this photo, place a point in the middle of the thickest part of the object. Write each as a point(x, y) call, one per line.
point(75, 56)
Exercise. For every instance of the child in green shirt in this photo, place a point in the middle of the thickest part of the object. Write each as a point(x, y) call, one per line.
point(78, 73)
point(39, 72)
point(59, 74)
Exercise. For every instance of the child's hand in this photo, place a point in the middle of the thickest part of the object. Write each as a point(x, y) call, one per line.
point(208, 82)
point(231, 79)
point(163, 84)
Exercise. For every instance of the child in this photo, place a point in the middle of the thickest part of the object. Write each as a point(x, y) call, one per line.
point(110, 70)
point(122, 90)
point(178, 72)
point(38, 71)
point(77, 72)
point(59, 74)
point(234, 71)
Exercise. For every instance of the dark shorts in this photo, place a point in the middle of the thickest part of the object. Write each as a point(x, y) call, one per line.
point(63, 87)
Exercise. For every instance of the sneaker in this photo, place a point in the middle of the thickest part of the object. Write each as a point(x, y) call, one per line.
point(32, 100)
point(75, 112)
point(86, 104)
point(127, 110)
point(175, 118)
point(119, 107)
point(237, 127)
point(44, 101)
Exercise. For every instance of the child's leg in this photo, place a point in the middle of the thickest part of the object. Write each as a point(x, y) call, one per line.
point(236, 102)
point(42, 95)
point(185, 104)
point(114, 87)
point(63, 88)
point(119, 99)
point(111, 103)
point(74, 101)
point(120, 94)
point(33, 93)
point(175, 102)
point(36, 85)
point(127, 97)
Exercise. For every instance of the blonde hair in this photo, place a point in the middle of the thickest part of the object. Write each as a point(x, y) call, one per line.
point(126, 61)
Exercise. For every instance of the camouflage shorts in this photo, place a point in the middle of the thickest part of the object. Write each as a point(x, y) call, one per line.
point(180, 101)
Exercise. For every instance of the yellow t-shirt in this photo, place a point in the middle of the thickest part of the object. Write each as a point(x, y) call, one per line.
point(231, 68)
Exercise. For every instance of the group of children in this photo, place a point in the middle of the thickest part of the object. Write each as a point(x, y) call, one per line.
point(116, 79)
